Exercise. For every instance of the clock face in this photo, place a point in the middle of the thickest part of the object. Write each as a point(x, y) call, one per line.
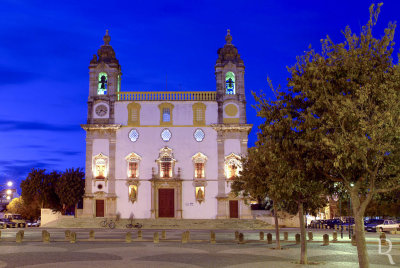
point(101, 110)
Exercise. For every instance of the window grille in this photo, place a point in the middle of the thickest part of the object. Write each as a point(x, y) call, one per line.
point(133, 169)
point(199, 170)
point(166, 115)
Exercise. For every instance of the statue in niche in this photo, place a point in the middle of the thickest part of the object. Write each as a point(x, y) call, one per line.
point(133, 194)
point(200, 194)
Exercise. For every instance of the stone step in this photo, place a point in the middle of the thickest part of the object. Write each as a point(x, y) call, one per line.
point(227, 224)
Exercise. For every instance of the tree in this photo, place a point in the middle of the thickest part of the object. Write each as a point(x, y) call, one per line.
point(253, 182)
point(70, 187)
point(27, 210)
point(293, 179)
point(352, 90)
point(39, 186)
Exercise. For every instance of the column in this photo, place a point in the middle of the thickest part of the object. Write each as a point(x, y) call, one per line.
point(221, 202)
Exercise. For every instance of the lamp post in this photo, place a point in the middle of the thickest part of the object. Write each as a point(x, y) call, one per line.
point(350, 225)
point(6, 192)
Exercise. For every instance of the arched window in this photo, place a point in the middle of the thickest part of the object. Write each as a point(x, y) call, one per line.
point(102, 87)
point(166, 163)
point(199, 114)
point(134, 114)
point(199, 161)
point(100, 166)
point(233, 165)
point(133, 165)
point(230, 83)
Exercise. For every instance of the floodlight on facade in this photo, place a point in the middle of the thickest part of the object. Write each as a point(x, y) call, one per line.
point(9, 184)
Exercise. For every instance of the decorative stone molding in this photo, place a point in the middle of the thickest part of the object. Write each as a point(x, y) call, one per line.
point(232, 127)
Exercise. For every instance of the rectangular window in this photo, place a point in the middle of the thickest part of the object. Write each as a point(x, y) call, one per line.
point(166, 115)
point(199, 172)
point(166, 171)
point(133, 169)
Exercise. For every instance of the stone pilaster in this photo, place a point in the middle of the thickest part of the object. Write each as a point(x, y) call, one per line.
point(244, 210)
point(243, 146)
point(221, 206)
point(88, 165)
point(111, 167)
point(88, 207)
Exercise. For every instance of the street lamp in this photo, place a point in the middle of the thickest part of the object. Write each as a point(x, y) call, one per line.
point(6, 192)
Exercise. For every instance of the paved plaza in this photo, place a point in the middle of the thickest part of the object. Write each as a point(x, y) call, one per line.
point(110, 250)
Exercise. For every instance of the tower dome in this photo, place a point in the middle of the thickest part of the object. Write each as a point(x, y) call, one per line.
point(106, 53)
point(228, 53)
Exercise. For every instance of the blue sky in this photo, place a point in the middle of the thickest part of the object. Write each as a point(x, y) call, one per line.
point(46, 47)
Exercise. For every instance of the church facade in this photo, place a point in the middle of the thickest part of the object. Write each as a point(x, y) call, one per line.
point(165, 154)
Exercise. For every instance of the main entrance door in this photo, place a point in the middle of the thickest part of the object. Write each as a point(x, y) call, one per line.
point(233, 209)
point(99, 208)
point(166, 206)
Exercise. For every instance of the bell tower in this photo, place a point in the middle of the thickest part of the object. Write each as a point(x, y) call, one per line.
point(104, 84)
point(229, 74)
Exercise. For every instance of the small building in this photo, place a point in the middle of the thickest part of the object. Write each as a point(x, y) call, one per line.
point(158, 154)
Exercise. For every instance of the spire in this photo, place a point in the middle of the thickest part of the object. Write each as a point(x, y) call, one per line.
point(228, 37)
point(229, 53)
point(106, 38)
point(105, 53)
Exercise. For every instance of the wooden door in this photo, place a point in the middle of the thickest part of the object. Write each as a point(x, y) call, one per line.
point(166, 206)
point(99, 208)
point(233, 209)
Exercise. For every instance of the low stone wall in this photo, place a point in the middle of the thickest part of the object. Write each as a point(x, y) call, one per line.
point(285, 219)
point(48, 216)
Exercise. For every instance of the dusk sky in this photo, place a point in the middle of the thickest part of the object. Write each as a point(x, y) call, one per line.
point(46, 47)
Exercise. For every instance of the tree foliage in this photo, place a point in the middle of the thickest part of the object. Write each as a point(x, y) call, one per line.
point(54, 190)
point(40, 186)
point(27, 210)
point(70, 187)
point(353, 94)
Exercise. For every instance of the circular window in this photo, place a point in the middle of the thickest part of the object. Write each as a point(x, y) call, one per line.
point(100, 186)
point(166, 134)
point(133, 135)
point(199, 135)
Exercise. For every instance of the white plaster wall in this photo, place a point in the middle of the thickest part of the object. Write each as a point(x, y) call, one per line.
point(140, 209)
point(100, 146)
point(232, 146)
point(184, 146)
point(193, 209)
point(182, 114)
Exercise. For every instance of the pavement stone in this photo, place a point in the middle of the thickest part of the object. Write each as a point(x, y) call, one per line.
point(174, 254)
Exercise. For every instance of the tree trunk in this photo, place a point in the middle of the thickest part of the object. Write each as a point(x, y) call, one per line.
point(363, 259)
point(303, 254)
point(278, 242)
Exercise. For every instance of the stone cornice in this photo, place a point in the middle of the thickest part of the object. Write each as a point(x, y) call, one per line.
point(232, 127)
point(100, 126)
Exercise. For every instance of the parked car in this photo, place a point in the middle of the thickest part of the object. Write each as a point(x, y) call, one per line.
point(388, 225)
point(332, 222)
point(370, 225)
point(34, 223)
point(6, 223)
point(17, 218)
point(313, 223)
